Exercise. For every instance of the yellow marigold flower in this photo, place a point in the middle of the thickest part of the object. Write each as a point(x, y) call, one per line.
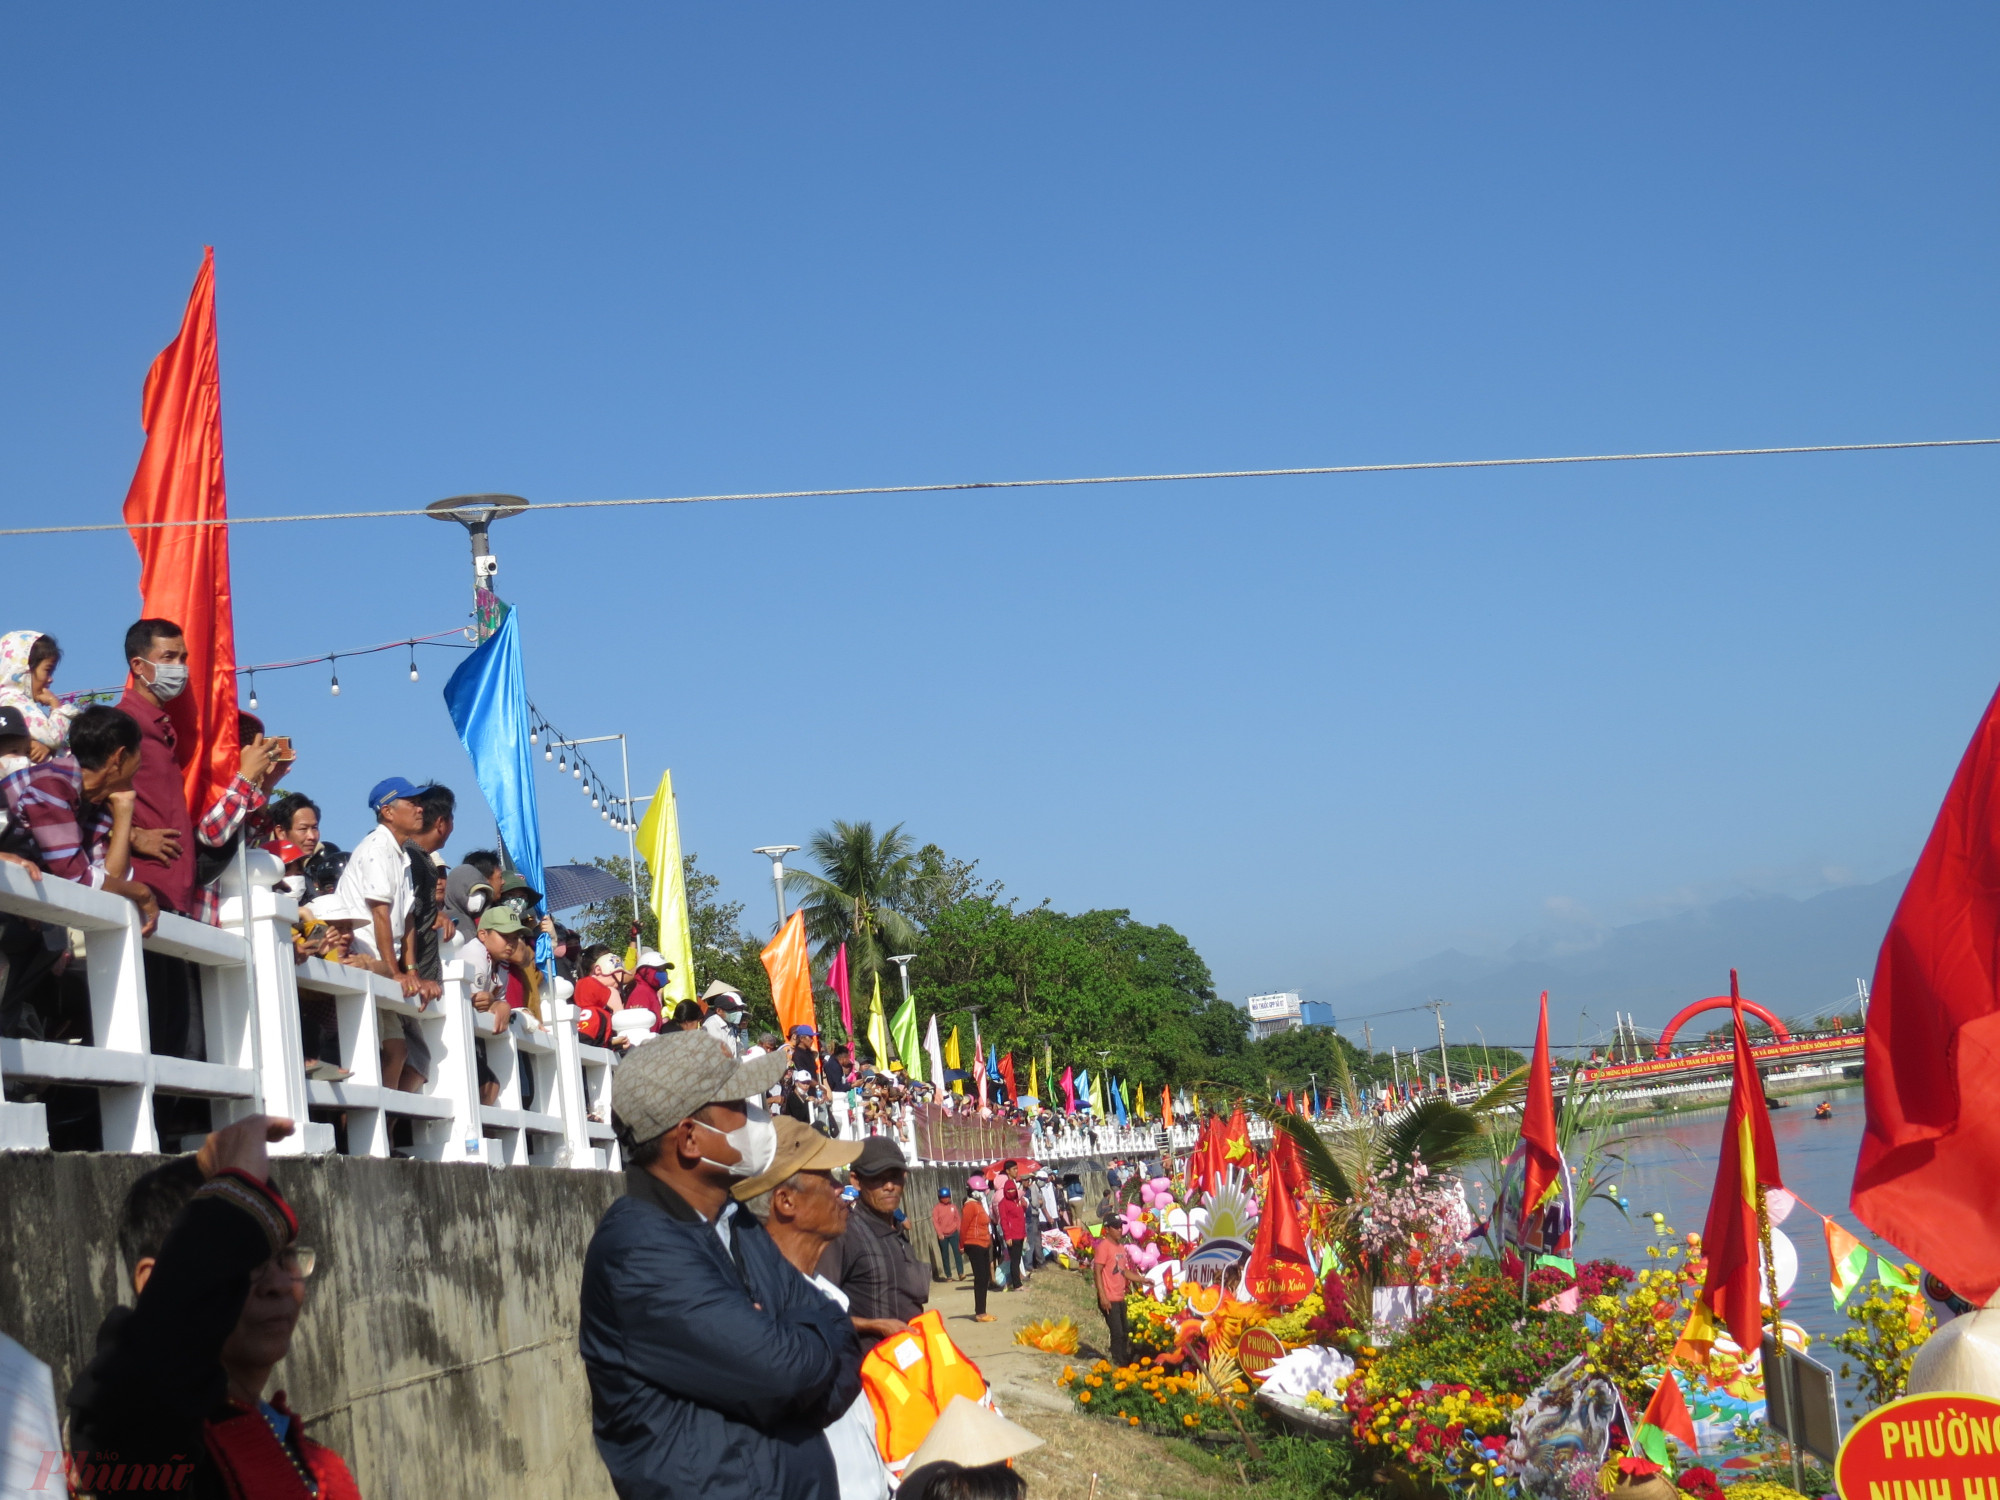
point(1190, 1420)
point(1084, 1399)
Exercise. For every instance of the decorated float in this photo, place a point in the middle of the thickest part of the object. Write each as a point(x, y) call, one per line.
point(1343, 1286)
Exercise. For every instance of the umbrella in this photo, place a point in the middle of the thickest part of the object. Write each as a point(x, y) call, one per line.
point(1024, 1166)
point(581, 885)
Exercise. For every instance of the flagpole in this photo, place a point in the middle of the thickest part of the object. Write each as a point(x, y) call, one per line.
point(1778, 1337)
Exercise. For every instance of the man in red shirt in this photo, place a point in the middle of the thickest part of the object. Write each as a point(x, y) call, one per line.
point(1112, 1263)
point(157, 654)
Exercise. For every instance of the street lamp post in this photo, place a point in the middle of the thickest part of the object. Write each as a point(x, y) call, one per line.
point(902, 963)
point(476, 513)
point(776, 854)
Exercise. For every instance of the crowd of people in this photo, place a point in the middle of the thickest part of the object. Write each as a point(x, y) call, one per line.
point(95, 794)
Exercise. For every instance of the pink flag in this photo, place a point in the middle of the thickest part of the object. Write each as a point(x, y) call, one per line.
point(1069, 1090)
point(836, 980)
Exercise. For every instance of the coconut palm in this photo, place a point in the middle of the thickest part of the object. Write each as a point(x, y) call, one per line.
point(860, 894)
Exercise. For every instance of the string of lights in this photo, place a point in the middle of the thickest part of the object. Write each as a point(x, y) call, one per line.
point(562, 749)
point(540, 732)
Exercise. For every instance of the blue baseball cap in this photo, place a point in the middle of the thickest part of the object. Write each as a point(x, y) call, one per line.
point(395, 789)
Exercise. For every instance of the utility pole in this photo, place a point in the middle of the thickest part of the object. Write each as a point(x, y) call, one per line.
point(1444, 1058)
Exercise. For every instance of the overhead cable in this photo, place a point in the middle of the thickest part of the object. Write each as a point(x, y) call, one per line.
point(1032, 484)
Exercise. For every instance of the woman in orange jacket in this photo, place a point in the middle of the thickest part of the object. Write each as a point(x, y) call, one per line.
point(975, 1233)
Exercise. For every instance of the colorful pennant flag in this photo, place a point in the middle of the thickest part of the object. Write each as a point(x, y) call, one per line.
point(903, 1032)
point(837, 981)
point(878, 1025)
point(1848, 1258)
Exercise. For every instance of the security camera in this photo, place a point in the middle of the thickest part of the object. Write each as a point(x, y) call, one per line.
point(485, 566)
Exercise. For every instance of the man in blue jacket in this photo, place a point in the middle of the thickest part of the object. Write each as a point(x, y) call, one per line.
point(715, 1367)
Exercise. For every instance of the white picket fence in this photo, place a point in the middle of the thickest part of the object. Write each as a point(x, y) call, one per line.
point(255, 1062)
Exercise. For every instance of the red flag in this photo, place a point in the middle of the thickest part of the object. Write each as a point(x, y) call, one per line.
point(1167, 1105)
point(1540, 1144)
point(836, 980)
point(184, 570)
point(1279, 1272)
point(1007, 1075)
point(1730, 1293)
point(1930, 1153)
point(1668, 1411)
point(1288, 1167)
point(1233, 1147)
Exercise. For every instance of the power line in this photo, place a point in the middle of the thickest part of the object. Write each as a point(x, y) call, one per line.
point(1031, 484)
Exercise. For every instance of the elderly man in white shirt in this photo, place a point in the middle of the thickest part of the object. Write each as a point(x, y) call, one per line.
point(374, 900)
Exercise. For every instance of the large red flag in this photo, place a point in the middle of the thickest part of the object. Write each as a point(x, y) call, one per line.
point(1731, 1293)
point(836, 980)
point(1930, 1154)
point(1540, 1144)
point(1007, 1076)
point(184, 570)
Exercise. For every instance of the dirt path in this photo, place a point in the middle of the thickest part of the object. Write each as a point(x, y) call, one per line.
point(1127, 1465)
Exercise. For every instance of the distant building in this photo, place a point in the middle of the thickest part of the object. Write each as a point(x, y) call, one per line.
point(1271, 1014)
point(1317, 1013)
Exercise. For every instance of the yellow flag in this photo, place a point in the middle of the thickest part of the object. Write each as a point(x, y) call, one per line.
point(1139, 1100)
point(1034, 1089)
point(659, 842)
point(878, 1028)
point(952, 1063)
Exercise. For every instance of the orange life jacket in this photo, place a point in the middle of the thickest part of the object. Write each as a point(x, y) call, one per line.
point(910, 1378)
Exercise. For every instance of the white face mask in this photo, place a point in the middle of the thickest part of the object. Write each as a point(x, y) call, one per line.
point(170, 680)
point(9, 764)
point(755, 1142)
point(291, 885)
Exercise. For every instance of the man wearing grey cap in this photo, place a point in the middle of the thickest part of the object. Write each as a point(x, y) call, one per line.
point(715, 1367)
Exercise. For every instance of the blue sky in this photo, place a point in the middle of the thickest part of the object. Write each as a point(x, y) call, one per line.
point(1324, 726)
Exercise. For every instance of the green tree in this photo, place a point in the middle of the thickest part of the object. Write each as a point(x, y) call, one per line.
point(860, 896)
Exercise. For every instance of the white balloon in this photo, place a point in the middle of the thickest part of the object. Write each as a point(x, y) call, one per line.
point(1786, 1254)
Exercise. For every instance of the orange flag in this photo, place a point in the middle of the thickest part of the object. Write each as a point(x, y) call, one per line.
point(184, 570)
point(1167, 1106)
point(1730, 1293)
point(1540, 1144)
point(791, 979)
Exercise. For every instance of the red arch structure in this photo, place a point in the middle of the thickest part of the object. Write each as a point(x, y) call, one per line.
point(1664, 1048)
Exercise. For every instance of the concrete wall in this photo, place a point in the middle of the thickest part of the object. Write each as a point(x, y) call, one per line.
point(437, 1351)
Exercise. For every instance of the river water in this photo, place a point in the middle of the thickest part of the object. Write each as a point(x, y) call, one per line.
point(1669, 1166)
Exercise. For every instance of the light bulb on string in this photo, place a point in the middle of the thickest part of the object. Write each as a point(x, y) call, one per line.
point(578, 772)
point(413, 661)
point(333, 668)
point(534, 736)
point(253, 692)
point(548, 752)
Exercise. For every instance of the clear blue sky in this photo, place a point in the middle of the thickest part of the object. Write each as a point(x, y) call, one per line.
point(1324, 726)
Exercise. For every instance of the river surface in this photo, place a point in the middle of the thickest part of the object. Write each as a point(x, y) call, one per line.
point(1669, 1166)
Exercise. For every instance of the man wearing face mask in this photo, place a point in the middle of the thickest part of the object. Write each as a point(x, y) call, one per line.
point(157, 654)
point(715, 1367)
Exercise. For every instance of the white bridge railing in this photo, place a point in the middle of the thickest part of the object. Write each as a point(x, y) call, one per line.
point(554, 1105)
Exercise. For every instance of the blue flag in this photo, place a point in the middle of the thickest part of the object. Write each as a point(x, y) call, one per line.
point(1083, 1090)
point(488, 701)
point(1118, 1101)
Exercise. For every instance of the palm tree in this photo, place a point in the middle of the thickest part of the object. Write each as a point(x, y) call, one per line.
point(859, 896)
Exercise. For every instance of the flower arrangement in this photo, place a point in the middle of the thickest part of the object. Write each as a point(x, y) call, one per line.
point(1051, 1336)
point(1699, 1482)
point(1453, 1435)
point(1889, 1326)
point(1411, 1229)
point(1148, 1394)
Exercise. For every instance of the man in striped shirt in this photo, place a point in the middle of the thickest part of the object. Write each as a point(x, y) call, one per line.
point(72, 815)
